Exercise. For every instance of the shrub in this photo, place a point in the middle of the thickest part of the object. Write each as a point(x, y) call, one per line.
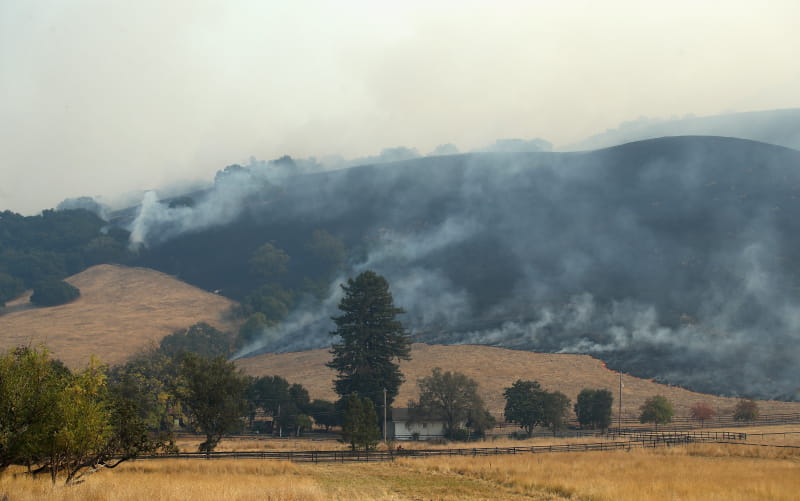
point(54, 293)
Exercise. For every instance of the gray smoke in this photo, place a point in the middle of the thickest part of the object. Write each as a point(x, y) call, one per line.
point(670, 259)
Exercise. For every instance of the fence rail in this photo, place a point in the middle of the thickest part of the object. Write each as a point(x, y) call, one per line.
point(641, 440)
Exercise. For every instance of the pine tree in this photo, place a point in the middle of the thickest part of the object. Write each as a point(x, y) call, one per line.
point(372, 341)
point(360, 426)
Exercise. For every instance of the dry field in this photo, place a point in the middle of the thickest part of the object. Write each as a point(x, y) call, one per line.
point(121, 310)
point(697, 472)
point(496, 369)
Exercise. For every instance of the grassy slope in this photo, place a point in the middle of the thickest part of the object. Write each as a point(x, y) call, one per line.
point(121, 310)
point(496, 369)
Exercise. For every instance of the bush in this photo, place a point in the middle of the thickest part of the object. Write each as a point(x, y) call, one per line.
point(54, 293)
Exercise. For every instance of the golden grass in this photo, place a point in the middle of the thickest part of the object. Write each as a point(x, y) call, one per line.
point(495, 369)
point(121, 310)
point(697, 472)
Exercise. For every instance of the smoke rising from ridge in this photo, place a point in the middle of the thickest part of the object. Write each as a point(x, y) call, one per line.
point(670, 259)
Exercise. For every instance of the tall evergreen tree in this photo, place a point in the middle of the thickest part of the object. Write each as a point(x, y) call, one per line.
point(372, 341)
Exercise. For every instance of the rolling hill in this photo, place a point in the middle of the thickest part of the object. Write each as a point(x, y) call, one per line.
point(120, 311)
point(670, 258)
point(780, 127)
point(495, 369)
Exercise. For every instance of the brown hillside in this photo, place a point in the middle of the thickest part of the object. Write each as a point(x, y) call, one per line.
point(120, 311)
point(496, 369)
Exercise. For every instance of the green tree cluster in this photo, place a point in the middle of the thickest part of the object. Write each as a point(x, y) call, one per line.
point(54, 293)
point(53, 245)
point(593, 408)
point(529, 405)
point(657, 410)
point(57, 422)
point(454, 397)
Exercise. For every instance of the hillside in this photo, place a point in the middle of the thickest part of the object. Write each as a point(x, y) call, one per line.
point(496, 369)
point(121, 310)
point(780, 127)
point(671, 258)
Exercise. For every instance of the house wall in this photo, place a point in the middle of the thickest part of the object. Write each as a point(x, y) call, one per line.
point(404, 430)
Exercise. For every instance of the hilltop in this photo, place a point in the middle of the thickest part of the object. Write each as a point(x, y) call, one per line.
point(120, 311)
point(495, 369)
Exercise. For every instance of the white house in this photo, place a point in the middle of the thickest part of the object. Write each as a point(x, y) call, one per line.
point(403, 427)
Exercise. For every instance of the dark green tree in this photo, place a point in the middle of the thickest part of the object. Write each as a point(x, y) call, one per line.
point(269, 262)
point(324, 413)
point(10, 288)
point(593, 408)
point(453, 397)
point(555, 410)
point(212, 390)
point(54, 293)
point(657, 410)
point(201, 338)
point(360, 424)
point(371, 341)
point(525, 404)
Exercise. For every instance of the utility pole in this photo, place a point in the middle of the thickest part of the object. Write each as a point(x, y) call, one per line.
point(384, 414)
point(619, 413)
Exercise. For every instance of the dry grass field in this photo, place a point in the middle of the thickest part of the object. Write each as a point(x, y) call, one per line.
point(120, 311)
point(696, 472)
point(496, 369)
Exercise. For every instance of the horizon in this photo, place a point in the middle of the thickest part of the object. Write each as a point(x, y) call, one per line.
point(102, 99)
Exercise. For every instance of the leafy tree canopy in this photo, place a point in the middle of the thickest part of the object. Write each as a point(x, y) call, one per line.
point(657, 410)
point(212, 390)
point(54, 293)
point(746, 410)
point(593, 408)
point(201, 338)
point(452, 396)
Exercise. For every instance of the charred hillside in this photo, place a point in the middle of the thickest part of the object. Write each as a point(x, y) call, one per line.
point(671, 258)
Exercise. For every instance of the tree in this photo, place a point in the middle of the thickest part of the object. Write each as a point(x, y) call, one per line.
point(657, 410)
point(452, 396)
point(593, 408)
point(702, 411)
point(746, 410)
point(324, 413)
point(360, 426)
point(30, 388)
point(54, 293)
point(57, 422)
point(10, 288)
point(212, 389)
point(555, 410)
point(372, 341)
point(525, 404)
point(201, 338)
point(269, 262)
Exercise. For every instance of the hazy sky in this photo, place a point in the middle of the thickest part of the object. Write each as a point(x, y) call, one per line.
point(104, 97)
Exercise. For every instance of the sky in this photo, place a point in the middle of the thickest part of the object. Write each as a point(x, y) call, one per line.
point(110, 97)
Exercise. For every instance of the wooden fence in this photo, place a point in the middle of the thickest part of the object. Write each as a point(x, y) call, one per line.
point(633, 441)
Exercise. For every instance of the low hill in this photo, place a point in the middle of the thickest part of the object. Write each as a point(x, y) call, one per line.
point(495, 369)
point(120, 311)
point(780, 127)
point(671, 258)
